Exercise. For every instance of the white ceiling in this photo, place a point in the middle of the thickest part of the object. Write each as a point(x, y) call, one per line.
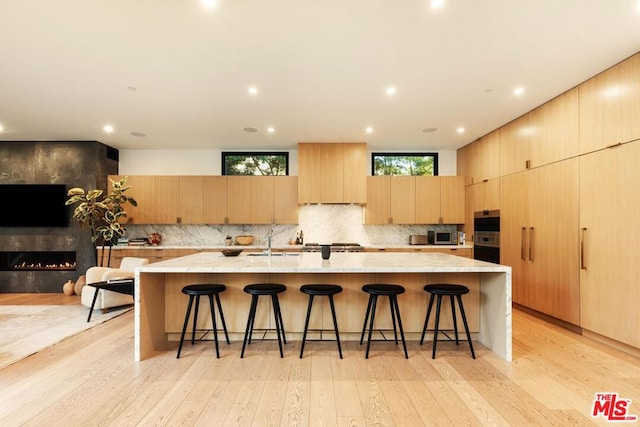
point(179, 73)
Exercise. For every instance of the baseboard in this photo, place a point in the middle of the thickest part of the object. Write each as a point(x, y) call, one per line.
point(625, 348)
point(550, 319)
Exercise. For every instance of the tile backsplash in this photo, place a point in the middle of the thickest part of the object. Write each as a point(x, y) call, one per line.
point(319, 223)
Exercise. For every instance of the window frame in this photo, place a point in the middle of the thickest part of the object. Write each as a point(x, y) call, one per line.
point(225, 154)
point(404, 154)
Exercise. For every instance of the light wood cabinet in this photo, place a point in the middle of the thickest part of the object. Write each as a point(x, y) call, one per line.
point(440, 200)
point(191, 200)
point(143, 190)
point(610, 106)
point(238, 200)
point(378, 208)
point(482, 196)
point(214, 199)
point(480, 159)
point(332, 173)
point(515, 146)
point(610, 224)
point(539, 238)
point(391, 200)
point(285, 209)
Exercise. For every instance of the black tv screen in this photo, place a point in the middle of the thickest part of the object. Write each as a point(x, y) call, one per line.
point(33, 205)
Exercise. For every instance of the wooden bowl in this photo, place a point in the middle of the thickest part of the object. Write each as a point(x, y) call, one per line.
point(244, 240)
point(231, 252)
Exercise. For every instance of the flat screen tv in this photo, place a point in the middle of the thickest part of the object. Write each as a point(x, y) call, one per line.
point(33, 205)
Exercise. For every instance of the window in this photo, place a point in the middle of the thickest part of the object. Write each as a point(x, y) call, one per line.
point(404, 164)
point(255, 163)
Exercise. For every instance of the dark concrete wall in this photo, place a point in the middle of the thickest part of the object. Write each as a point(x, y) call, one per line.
point(76, 164)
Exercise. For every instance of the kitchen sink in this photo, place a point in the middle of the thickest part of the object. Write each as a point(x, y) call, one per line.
point(272, 254)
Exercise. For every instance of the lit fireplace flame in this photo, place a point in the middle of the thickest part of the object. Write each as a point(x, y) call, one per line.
point(40, 266)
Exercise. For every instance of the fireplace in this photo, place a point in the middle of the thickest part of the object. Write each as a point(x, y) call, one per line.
point(38, 261)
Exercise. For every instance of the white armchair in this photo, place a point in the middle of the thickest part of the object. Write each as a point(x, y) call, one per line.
point(108, 299)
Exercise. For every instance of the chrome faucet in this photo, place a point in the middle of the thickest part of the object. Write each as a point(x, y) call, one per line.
point(269, 237)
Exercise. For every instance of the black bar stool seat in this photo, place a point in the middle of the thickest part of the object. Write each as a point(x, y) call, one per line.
point(195, 292)
point(269, 289)
point(392, 291)
point(320, 290)
point(452, 290)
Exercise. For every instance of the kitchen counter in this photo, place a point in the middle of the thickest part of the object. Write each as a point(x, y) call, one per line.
point(160, 306)
point(468, 245)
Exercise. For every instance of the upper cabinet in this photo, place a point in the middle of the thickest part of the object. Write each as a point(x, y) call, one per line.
point(213, 199)
point(610, 106)
point(515, 147)
point(480, 160)
point(332, 173)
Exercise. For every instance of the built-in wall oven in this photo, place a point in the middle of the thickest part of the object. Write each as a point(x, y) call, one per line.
point(486, 236)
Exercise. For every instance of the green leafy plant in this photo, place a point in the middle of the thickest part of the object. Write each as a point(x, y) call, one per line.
point(102, 212)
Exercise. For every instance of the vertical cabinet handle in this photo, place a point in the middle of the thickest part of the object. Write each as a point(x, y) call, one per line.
point(531, 247)
point(583, 264)
point(523, 237)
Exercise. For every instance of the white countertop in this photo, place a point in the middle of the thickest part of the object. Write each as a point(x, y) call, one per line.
point(283, 247)
point(312, 262)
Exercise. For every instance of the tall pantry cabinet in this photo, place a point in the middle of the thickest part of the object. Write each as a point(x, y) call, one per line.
point(609, 225)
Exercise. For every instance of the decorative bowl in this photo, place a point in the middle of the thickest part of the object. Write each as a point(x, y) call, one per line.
point(231, 252)
point(244, 240)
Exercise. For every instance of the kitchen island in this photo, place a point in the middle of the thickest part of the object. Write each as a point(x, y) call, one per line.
point(160, 305)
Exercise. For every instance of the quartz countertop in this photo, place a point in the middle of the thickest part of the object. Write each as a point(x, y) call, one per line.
point(312, 262)
point(468, 245)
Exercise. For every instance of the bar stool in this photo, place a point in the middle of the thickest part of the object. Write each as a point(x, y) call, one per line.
point(256, 290)
point(392, 291)
point(196, 291)
point(440, 290)
point(320, 290)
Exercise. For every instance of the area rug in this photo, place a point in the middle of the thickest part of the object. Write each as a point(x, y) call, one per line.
point(27, 329)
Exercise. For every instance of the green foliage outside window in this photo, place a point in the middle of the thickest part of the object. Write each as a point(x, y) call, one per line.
point(417, 164)
point(255, 163)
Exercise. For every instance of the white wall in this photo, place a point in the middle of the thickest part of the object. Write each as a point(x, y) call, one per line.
point(208, 162)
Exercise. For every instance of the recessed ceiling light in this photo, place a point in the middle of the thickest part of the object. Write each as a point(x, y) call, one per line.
point(436, 4)
point(132, 88)
point(138, 134)
point(460, 130)
point(250, 130)
point(391, 90)
point(108, 128)
point(209, 4)
point(1, 128)
point(369, 129)
point(429, 130)
point(271, 129)
point(518, 91)
point(253, 90)
point(638, 6)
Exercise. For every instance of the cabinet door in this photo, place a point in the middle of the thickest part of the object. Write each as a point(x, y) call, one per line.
point(515, 150)
point(320, 173)
point(403, 199)
point(191, 200)
point(514, 224)
point(262, 199)
point(610, 106)
point(378, 208)
point(428, 200)
point(355, 173)
point(463, 166)
point(554, 241)
point(553, 130)
point(484, 158)
point(286, 200)
point(143, 190)
point(609, 206)
point(167, 206)
point(238, 199)
point(452, 200)
point(214, 199)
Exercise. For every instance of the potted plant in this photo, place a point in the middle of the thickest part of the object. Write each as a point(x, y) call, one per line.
point(102, 213)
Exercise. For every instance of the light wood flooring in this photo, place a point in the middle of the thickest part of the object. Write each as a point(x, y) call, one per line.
point(91, 379)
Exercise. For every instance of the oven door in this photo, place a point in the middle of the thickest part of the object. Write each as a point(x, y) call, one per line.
point(487, 253)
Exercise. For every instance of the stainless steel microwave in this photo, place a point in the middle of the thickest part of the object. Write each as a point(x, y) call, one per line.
point(442, 237)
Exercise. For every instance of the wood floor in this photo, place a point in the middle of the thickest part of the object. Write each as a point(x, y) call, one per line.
point(91, 379)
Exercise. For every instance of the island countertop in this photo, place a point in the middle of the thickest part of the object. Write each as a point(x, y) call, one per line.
point(312, 262)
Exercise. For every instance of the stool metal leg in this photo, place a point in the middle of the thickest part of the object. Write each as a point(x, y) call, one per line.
point(393, 319)
point(435, 333)
point(93, 303)
point(277, 305)
point(373, 315)
point(184, 327)
point(397, 308)
point(249, 330)
point(426, 319)
point(366, 317)
point(466, 326)
point(335, 324)
point(195, 319)
point(215, 327)
point(278, 320)
point(224, 325)
point(455, 321)
point(306, 325)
